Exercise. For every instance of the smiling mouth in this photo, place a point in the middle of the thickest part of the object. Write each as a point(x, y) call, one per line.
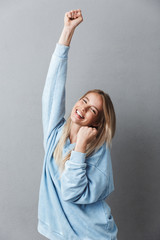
point(79, 114)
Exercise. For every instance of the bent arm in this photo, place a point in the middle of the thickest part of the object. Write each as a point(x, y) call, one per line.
point(83, 185)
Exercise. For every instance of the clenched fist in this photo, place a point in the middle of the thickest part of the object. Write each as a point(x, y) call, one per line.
point(86, 134)
point(73, 18)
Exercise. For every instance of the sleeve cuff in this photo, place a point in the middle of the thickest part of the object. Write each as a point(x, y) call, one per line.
point(61, 50)
point(77, 157)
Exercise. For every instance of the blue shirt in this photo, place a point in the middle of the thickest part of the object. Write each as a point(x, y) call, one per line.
point(73, 207)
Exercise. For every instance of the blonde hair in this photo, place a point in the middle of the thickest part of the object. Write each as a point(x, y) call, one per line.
point(106, 131)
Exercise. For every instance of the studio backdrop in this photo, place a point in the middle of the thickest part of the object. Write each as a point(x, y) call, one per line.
point(116, 49)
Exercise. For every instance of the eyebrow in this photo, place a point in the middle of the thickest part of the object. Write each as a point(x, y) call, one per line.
point(92, 105)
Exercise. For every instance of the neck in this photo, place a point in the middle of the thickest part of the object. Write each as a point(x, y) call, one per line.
point(73, 132)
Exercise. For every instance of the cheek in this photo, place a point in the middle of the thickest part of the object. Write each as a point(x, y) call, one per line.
point(95, 118)
point(73, 111)
point(90, 116)
point(74, 107)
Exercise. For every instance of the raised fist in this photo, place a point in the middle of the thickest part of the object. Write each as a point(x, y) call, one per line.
point(73, 18)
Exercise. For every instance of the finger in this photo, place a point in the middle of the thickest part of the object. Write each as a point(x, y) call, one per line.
point(79, 12)
point(75, 13)
point(95, 131)
point(92, 127)
point(68, 14)
point(72, 13)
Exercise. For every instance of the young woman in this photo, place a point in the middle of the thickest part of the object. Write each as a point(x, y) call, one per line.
point(77, 170)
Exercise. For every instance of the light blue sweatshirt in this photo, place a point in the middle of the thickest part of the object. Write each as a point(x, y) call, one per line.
point(73, 207)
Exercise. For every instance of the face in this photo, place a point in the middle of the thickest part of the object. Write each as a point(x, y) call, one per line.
point(87, 110)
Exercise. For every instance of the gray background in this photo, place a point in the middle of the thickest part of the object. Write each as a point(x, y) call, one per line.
point(117, 49)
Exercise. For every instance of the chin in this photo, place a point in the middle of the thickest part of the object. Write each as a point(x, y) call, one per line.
point(76, 121)
point(73, 120)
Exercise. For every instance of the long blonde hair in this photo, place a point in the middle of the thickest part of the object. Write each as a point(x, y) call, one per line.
point(106, 131)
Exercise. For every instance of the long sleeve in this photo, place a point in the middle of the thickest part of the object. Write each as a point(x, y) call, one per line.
point(53, 97)
point(84, 184)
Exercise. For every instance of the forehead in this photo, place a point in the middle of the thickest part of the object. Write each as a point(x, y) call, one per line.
point(95, 99)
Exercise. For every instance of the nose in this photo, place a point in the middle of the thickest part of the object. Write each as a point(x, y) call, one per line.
point(83, 108)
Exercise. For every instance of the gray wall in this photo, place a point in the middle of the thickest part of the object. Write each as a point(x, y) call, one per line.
point(117, 49)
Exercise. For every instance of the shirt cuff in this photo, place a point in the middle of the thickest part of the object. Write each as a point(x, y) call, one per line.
point(77, 157)
point(61, 50)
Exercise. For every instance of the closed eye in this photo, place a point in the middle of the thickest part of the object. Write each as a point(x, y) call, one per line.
point(94, 111)
point(91, 108)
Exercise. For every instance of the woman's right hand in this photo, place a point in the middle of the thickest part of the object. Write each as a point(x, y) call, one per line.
point(72, 19)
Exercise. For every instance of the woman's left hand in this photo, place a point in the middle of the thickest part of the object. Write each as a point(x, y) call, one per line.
point(86, 134)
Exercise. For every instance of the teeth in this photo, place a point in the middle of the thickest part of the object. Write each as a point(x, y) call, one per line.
point(79, 114)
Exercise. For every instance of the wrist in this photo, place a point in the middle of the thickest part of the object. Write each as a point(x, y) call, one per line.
point(66, 36)
point(81, 147)
point(68, 29)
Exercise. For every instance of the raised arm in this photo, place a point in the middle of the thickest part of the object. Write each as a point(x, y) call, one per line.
point(71, 20)
point(53, 97)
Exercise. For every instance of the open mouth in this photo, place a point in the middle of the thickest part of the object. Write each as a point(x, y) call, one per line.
point(79, 114)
